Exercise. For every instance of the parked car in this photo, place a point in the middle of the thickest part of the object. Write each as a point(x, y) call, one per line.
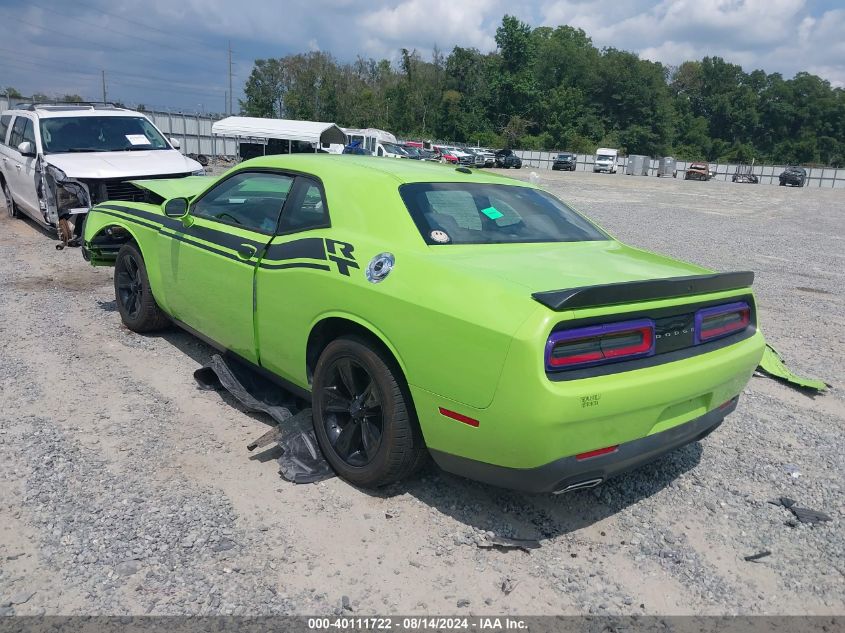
point(505, 158)
point(390, 150)
point(489, 156)
point(446, 154)
point(744, 174)
point(429, 155)
point(357, 148)
point(606, 160)
point(793, 176)
point(564, 162)
point(57, 161)
point(465, 158)
point(412, 152)
point(420, 327)
point(478, 158)
point(697, 171)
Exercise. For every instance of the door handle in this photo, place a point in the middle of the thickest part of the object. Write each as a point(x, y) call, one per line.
point(19, 167)
point(245, 251)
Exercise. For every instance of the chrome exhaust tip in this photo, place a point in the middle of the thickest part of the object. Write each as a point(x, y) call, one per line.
point(580, 485)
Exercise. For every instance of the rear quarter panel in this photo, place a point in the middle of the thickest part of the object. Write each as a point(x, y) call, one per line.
point(449, 329)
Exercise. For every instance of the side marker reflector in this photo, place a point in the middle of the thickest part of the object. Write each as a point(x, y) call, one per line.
point(597, 452)
point(459, 417)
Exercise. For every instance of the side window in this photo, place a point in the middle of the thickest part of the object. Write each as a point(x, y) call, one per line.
point(380, 150)
point(16, 138)
point(306, 210)
point(249, 199)
point(4, 127)
point(29, 132)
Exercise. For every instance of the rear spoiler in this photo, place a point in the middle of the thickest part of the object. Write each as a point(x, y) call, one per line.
point(633, 291)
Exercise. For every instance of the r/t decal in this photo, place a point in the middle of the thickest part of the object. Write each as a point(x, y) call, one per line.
point(341, 254)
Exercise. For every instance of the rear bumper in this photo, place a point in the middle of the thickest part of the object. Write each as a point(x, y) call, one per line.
point(571, 473)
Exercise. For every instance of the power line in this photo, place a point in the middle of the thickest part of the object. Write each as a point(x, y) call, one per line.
point(141, 24)
point(91, 73)
point(111, 29)
point(49, 63)
point(76, 38)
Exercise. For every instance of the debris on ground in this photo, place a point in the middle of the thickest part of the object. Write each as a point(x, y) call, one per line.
point(301, 460)
point(253, 391)
point(772, 366)
point(804, 515)
point(508, 585)
point(504, 542)
point(755, 557)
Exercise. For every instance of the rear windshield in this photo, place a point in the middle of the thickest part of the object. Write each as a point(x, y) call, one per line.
point(464, 213)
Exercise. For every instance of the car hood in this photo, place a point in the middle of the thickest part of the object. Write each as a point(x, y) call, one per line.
point(540, 267)
point(168, 188)
point(123, 164)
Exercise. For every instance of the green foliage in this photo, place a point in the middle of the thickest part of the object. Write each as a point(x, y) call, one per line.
point(12, 93)
point(551, 88)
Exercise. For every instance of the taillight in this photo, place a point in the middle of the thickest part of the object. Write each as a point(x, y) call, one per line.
point(599, 344)
point(719, 321)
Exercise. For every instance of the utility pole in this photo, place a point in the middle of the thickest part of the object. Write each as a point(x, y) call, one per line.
point(104, 86)
point(230, 77)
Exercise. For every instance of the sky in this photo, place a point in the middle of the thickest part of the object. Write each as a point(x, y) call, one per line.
point(173, 55)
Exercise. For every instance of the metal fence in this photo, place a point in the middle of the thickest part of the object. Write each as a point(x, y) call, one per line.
point(193, 131)
point(827, 177)
point(194, 134)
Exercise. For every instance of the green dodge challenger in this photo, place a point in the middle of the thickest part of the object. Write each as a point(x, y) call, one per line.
point(425, 309)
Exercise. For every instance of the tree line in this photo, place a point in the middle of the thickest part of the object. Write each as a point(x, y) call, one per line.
point(551, 88)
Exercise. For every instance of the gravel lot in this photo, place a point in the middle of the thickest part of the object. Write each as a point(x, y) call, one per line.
point(126, 490)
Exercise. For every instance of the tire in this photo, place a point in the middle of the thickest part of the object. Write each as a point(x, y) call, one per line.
point(133, 295)
point(11, 208)
point(351, 372)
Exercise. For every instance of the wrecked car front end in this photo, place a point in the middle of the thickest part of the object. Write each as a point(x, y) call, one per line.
point(63, 201)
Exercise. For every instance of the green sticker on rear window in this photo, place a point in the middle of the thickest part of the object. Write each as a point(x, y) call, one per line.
point(493, 213)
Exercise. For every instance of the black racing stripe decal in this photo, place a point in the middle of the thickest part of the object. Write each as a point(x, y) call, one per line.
point(227, 240)
point(215, 236)
point(306, 248)
point(177, 236)
point(154, 227)
point(153, 217)
point(294, 265)
point(181, 238)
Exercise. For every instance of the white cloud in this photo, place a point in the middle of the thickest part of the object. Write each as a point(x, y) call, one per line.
point(775, 35)
point(182, 50)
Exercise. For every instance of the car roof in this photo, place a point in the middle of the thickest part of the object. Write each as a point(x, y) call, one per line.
point(47, 111)
point(324, 166)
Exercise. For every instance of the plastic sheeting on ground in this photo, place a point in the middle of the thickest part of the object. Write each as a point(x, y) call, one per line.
point(301, 460)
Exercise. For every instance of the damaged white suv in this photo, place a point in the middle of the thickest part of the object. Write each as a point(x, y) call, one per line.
point(57, 161)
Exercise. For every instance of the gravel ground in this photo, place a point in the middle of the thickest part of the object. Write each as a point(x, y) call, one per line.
point(129, 491)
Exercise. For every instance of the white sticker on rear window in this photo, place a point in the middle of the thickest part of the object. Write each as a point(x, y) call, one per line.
point(138, 139)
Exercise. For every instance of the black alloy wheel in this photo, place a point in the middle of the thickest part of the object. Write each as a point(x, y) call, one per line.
point(364, 417)
point(127, 283)
point(133, 295)
point(352, 412)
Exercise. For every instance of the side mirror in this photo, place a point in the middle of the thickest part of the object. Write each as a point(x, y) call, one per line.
point(27, 148)
point(176, 208)
point(175, 143)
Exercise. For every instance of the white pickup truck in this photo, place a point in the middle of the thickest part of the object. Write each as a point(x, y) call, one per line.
point(57, 161)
